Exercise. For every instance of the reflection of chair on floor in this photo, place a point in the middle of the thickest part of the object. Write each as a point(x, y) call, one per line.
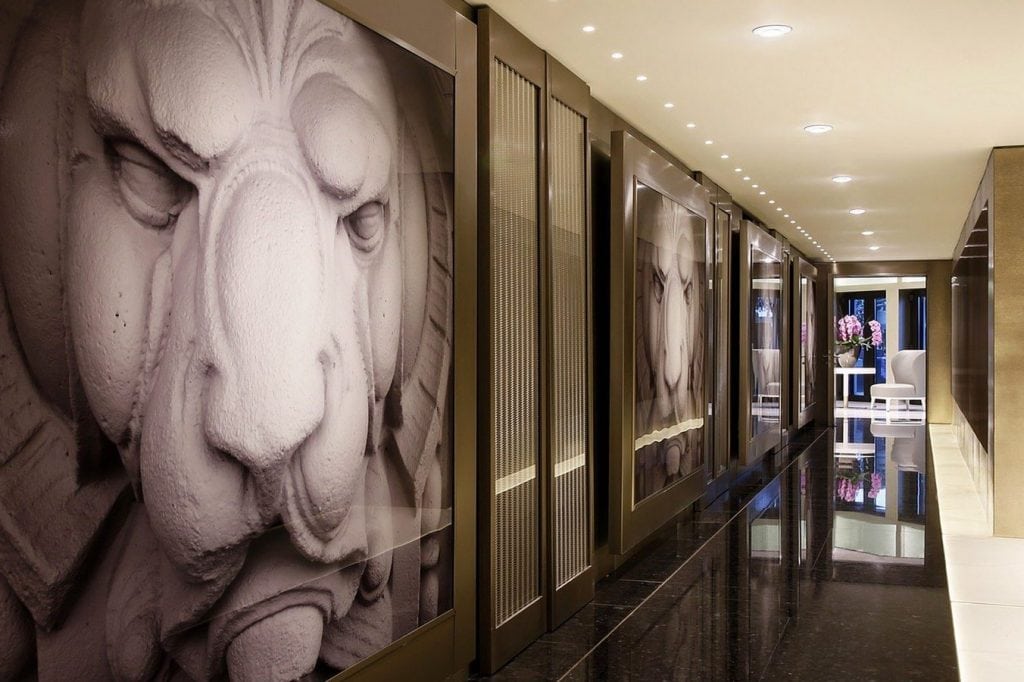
point(767, 380)
point(909, 373)
point(907, 442)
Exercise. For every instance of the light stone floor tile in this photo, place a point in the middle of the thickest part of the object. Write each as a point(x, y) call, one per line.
point(985, 573)
point(989, 628)
point(985, 570)
point(989, 667)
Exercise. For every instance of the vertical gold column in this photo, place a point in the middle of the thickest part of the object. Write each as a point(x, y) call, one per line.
point(1008, 349)
point(940, 396)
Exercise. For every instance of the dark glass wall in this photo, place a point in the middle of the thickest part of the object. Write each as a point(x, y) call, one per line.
point(971, 329)
point(913, 319)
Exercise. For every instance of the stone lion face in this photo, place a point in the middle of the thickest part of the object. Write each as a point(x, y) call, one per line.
point(232, 224)
point(233, 278)
point(670, 301)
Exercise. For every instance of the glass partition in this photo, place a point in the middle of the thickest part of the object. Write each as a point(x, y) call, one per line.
point(766, 342)
point(763, 385)
point(807, 329)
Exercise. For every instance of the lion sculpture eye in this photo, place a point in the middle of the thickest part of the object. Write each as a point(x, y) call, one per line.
point(152, 192)
point(366, 224)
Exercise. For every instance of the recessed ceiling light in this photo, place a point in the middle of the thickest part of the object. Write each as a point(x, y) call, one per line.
point(640, 77)
point(724, 156)
point(616, 55)
point(770, 201)
point(691, 125)
point(762, 192)
point(874, 248)
point(841, 179)
point(868, 233)
point(858, 211)
point(772, 30)
point(588, 29)
point(746, 177)
point(778, 208)
point(738, 170)
point(814, 241)
point(709, 141)
point(792, 222)
point(818, 128)
point(669, 105)
point(785, 215)
point(755, 186)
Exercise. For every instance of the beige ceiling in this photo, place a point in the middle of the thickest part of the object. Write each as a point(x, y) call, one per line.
point(918, 92)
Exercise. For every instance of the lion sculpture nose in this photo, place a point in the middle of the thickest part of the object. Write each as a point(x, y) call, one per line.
point(674, 326)
point(265, 277)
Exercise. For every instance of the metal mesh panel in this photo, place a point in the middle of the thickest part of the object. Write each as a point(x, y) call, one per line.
point(567, 159)
point(515, 353)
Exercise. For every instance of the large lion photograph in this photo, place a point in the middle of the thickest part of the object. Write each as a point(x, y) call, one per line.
point(225, 340)
point(670, 318)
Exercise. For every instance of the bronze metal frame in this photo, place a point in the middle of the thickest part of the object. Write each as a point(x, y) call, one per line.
point(802, 268)
point(566, 87)
point(437, 32)
point(727, 213)
point(752, 448)
point(634, 162)
point(497, 39)
point(787, 416)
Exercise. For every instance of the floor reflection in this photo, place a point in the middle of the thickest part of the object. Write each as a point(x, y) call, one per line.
point(824, 564)
point(879, 492)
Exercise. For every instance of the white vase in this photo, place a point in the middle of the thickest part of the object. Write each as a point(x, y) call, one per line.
point(848, 358)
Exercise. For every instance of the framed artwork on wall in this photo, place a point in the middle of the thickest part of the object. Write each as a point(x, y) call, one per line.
point(661, 221)
point(762, 384)
point(227, 337)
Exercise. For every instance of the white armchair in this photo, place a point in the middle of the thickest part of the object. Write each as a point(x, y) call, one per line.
point(907, 381)
point(906, 444)
point(767, 370)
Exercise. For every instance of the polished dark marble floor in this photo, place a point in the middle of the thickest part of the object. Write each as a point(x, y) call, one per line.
point(824, 564)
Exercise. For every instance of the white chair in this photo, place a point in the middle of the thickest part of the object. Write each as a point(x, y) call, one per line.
point(909, 375)
point(767, 369)
point(907, 443)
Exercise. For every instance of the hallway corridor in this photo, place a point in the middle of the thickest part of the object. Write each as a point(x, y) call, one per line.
point(825, 564)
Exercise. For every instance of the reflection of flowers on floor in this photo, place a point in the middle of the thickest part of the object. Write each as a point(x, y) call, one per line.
point(851, 481)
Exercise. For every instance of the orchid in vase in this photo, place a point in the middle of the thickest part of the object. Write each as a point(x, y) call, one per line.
point(850, 335)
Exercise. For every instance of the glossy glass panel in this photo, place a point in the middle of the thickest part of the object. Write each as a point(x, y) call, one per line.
point(765, 341)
